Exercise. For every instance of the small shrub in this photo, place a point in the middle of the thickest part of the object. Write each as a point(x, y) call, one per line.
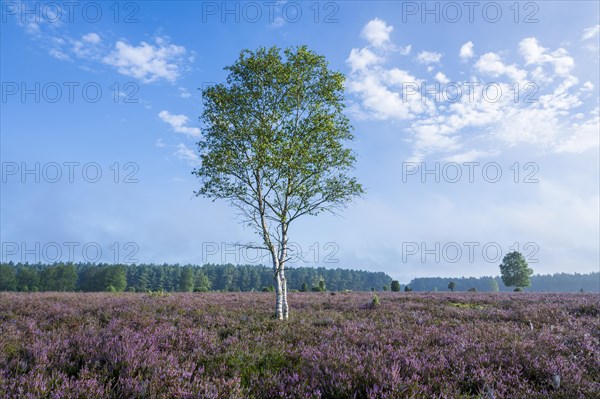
point(375, 301)
point(158, 294)
point(586, 310)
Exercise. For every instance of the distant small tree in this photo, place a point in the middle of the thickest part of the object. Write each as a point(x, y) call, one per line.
point(514, 270)
point(395, 286)
point(375, 301)
point(269, 288)
point(385, 287)
point(473, 289)
point(304, 287)
point(494, 287)
point(322, 287)
point(451, 285)
point(407, 288)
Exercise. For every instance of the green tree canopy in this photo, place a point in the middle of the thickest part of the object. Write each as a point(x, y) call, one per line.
point(514, 270)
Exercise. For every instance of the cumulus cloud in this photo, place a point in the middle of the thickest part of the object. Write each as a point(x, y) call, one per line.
point(93, 38)
point(179, 123)
point(88, 47)
point(466, 51)
point(591, 32)
point(588, 86)
point(491, 64)
point(427, 57)
point(147, 62)
point(381, 90)
point(535, 54)
point(377, 32)
point(546, 114)
point(440, 77)
point(360, 59)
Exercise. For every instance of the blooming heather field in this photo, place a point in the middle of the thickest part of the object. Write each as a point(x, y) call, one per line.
point(220, 345)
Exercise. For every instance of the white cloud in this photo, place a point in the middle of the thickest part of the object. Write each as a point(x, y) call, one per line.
point(59, 54)
point(178, 123)
point(405, 50)
point(377, 32)
point(160, 143)
point(470, 156)
point(440, 77)
point(93, 38)
point(591, 32)
point(188, 155)
point(147, 62)
point(582, 138)
point(545, 118)
point(399, 77)
point(491, 64)
point(535, 54)
point(89, 47)
point(427, 57)
point(466, 50)
point(361, 58)
point(588, 86)
point(380, 89)
point(183, 92)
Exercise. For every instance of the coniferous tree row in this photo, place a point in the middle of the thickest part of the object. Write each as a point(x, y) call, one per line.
point(213, 277)
point(151, 277)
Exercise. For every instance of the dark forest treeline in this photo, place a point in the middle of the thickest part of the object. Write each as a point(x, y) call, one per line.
point(212, 277)
point(150, 277)
point(559, 282)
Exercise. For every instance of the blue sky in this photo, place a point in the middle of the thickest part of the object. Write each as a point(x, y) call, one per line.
point(495, 88)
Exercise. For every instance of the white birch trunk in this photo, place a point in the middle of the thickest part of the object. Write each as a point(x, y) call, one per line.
point(278, 294)
point(285, 309)
point(284, 306)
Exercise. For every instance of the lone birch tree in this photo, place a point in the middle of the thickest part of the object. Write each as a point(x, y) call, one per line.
point(273, 145)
